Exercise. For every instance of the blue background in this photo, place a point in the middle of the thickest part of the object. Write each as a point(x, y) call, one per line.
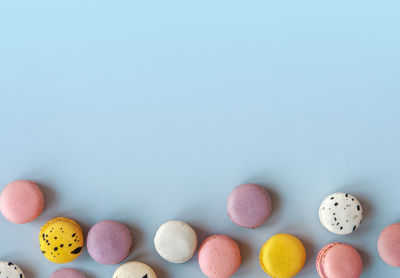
point(155, 110)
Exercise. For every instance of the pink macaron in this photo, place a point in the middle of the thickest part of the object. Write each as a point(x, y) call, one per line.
point(109, 242)
point(389, 245)
point(67, 273)
point(249, 205)
point(219, 256)
point(21, 201)
point(338, 260)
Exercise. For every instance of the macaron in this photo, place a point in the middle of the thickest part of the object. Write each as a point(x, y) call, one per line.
point(340, 213)
point(175, 241)
point(109, 242)
point(67, 273)
point(389, 245)
point(219, 256)
point(249, 205)
point(61, 240)
point(10, 270)
point(134, 270)
point(21, 201)
point(338, 260)
point(282, 256)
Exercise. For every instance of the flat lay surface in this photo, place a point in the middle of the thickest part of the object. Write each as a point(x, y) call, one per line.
point(145, 112)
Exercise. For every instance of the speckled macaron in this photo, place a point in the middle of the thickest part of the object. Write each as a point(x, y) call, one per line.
point(340, 213)
point(134, 270)
point(67, 273)
point(61, 240)
point(10, 270)
point(249, 205)
point(21, 201)
point(109, 242)
point(219, 256)
point(175, 241)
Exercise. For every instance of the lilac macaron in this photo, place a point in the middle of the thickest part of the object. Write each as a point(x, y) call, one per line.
point(67, 273)
point(249, 205)
point(109, 242)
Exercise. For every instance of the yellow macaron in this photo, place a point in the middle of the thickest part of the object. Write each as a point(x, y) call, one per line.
point(282, 256)
point(61, 240)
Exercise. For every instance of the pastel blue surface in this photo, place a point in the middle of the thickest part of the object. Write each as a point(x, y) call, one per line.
point(155, 110)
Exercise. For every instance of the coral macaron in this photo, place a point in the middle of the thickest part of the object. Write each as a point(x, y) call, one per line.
point(338, 260)
point(219, 256)
point(389, 245)
point(67, 273)
point(21, 201)
point(249, 205)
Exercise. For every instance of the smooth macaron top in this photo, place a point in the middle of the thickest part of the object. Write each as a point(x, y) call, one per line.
point(10, 270)
point(219, 256)
point(21, 201)
point(109, 242)
point(175, 241)
point(389, 245)
point(249, 205)
point(338, 260)
point(340, 213)
point(67, 273)
point(134, 270)
point(282, 256)
point(61, 240)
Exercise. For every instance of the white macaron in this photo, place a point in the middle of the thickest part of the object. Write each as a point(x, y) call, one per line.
point(10, 270)
point(175, 241)
point(340, 213)
point(134, 270)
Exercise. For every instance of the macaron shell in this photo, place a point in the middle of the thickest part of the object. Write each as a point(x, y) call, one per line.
point(21, 201)
point(134, 270)
point(340, 213)
point(339, 261)
point(249, 205)
point(389, 245)
point(175, 241)
point(61, 240)
point(109, 242)
point(67, 273)
point(282, 256)
point(219, 256)
point(10, 270)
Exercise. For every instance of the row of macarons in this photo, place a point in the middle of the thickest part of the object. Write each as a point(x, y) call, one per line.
point(110, 242)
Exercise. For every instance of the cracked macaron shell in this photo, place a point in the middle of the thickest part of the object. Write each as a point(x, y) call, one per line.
point(61, 240)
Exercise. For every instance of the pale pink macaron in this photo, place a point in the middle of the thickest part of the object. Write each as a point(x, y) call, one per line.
point(389, 245)
point(67, 273)
point(338, 260)
point(21, 201)
point(219, 256)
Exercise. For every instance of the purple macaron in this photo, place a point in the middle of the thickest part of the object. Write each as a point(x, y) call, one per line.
point(67, 273)
point(249, 205)
point(109, 242)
